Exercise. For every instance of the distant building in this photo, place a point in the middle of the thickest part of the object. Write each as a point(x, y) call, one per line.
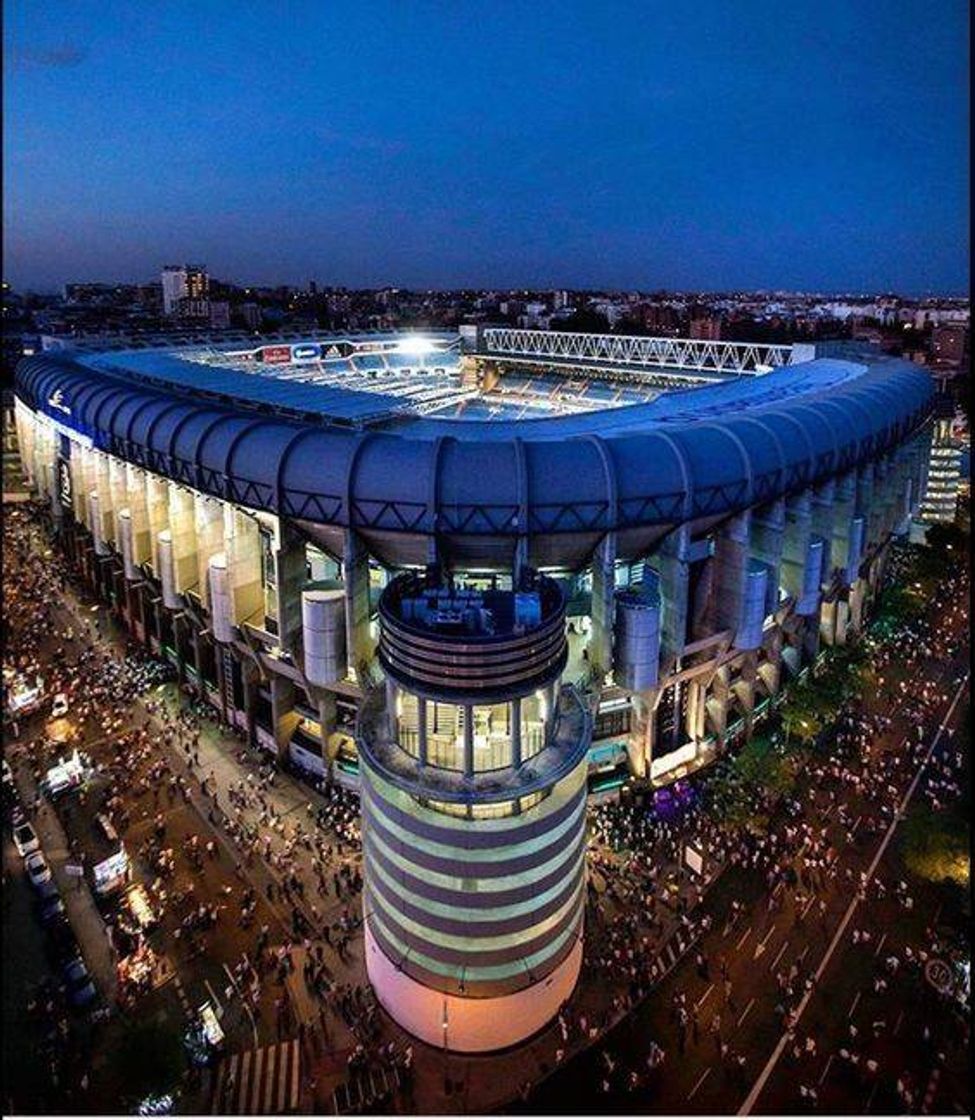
point(219, 314)
point(706, 328)
point(949, 344)
point(183, 282)
point(251, 314)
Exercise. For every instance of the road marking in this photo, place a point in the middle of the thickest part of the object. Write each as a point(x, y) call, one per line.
point(897, 1025)
point(671, 955)
point(760, 947)
point(853, 1005)
point(744, 937)
point(873, 1091)
point(880, 944)
point(741, 1017)
point(822, 1076)
point(778, 956)
point(856, 825)
point(806, 908)
point(802, 955)
point(749, 1102)
point(697, 1006)
point(700, 1081)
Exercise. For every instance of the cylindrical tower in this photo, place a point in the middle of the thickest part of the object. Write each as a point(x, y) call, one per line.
point(473, 769)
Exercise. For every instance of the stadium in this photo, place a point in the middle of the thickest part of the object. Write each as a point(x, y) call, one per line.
point(483, 577)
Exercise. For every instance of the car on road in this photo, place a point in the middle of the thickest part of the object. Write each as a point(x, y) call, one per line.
point(81, 989)
point(8, 774)
point(59, 706)
point(25, 839)
point(37, 869)
point(47, 891)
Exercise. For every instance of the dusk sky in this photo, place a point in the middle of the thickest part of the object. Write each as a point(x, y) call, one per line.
point(815, 146)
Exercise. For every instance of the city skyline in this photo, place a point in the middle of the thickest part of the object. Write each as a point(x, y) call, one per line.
point(816, 151)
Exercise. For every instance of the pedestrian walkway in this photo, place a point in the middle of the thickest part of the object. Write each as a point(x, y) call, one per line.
point(265, 1081)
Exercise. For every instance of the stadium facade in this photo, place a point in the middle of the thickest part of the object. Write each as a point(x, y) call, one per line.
point(482, 578)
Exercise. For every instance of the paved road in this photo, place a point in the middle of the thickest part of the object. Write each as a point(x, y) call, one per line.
point(756, 945)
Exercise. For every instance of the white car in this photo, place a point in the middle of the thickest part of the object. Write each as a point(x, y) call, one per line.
point(25, 839)
point(60, 706)
point(37, 869)
point(8, 774)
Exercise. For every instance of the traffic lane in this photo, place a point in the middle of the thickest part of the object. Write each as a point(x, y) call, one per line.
point(892, 869)
point(899, 1043)
point(693, 1084)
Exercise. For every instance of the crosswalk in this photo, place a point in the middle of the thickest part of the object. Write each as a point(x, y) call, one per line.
point(264, 1081)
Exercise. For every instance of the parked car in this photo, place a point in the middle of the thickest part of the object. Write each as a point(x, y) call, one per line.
point(8, 774)
point(61, 944)
point(37, 869)
point(81, 989)
point(16, 814)
point(60, 706)
point(25, 839)
point(46, 891)
point(51, 910)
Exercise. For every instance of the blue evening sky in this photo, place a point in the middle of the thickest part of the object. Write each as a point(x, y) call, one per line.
point(707, 145)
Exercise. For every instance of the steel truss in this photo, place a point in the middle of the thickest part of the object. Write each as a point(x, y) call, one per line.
point(629, 350)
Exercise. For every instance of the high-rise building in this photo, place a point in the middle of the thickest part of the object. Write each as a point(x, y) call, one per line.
point(944, 475)
point(183, 281)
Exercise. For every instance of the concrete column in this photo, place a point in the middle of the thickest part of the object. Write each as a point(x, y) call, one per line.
point(767, 543)
point(355, 571)
point(157, 515)
point(421, 715)
point(696, 714)
point(515, 715)
point(671, 563)
point(643, 731)
point(731, 570)
point(468, 740)
point(603, 606)
point(848, 529)
point(104, 530)
point(242, 547)
point(822, 503)
point(290, 575)
point(182, 530)
point(282, 712)
point(866, 488)
point(82, 481)
point(136, 498)
point(118, 483)
point(209, 527)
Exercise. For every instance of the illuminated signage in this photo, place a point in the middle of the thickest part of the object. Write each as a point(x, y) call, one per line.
point(337, 350)
point(64, 483)
point(277, 355)
point(306, 352)
point(374, 347)
point(56, 400)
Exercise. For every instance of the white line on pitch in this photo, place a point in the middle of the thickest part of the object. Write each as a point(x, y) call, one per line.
point(743, 938)
point(741, 1017)
point(700, 1081)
